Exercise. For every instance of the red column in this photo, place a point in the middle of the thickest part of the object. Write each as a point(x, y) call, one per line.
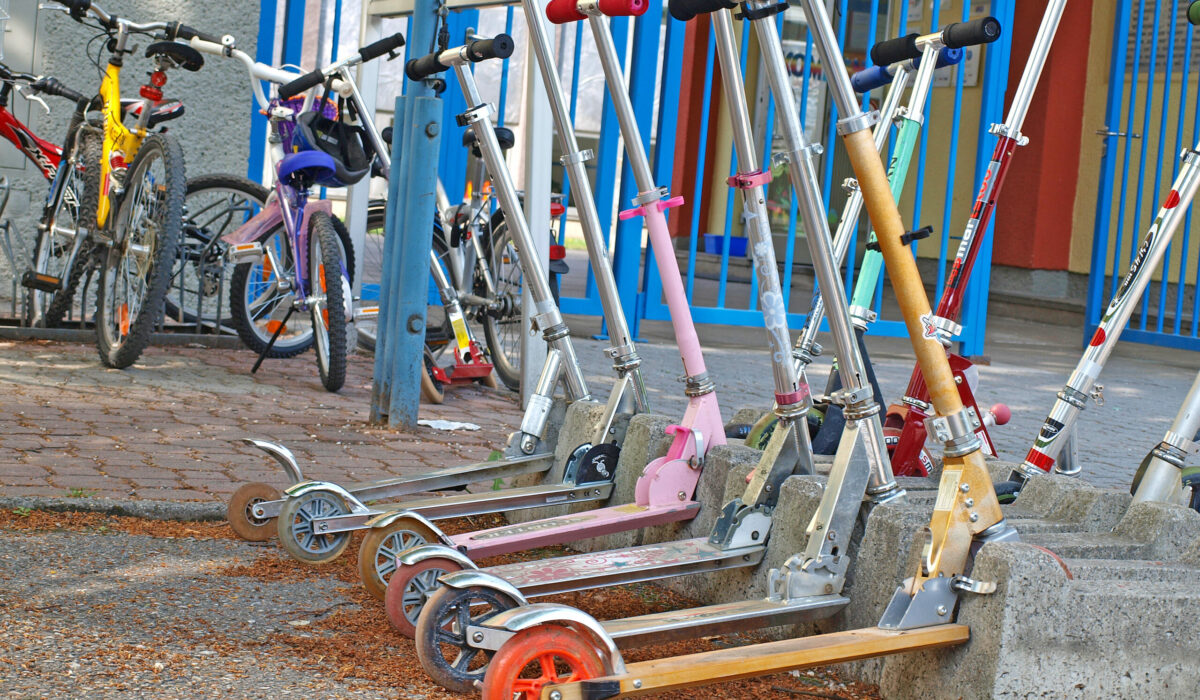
point(690, 127)
point(1034, 215)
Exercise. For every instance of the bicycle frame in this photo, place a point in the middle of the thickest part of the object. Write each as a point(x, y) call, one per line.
point(45, 155)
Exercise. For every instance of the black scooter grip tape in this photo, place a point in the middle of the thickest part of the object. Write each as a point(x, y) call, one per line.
point(977, 31)
point(1194, 12)
point(376, 49)
point(685, 10)
point(423, 67)
point(299, 85)
point(902, 48)
point(499, 46)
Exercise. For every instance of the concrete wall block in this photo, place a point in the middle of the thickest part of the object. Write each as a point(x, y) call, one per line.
point(748, 415)
point(1168, 530)
point(559, 414)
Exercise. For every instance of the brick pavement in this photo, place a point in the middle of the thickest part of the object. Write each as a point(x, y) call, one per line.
point(170, 428)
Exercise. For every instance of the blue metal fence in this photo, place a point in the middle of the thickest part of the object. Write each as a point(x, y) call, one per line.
point(1152, 114)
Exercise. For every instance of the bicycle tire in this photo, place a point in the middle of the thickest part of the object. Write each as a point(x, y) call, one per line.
point(162, 238)
point(87, 193)
point(245, 319)
point(329, 321)
point(503, 333)
point(206, 219)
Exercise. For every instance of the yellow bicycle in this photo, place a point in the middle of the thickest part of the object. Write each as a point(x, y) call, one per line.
point(140, 176)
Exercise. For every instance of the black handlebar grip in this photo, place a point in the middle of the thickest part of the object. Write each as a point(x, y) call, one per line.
point(177, 30)
point(1194, 12)
point(902, 48)
point(299, 85)
point(685, 10)
point(423, 67)
point(977, 31)
point(51, 86)
point(78, 8)
point(500, 46)
point(385, 45)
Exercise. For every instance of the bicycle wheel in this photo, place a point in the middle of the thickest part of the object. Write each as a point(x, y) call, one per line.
point(436, 321)
point(214, 206)
point(330, 292)
point(55, 253)
point(133, 281)
point(503, 332)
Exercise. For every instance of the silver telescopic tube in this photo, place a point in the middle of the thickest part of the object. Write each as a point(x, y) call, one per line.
point(634, 149)
point(549, 320)
point(1161, 480)
point(851, 213)
point(1033, 67)
point(924, 81)
point(804, 182)
point(624, 351)
point(761, 244)
point(837, 77)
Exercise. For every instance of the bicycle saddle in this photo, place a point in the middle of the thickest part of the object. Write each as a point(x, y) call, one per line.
point(503, 135)
point(315, 165)
point(160, 112)
point(183, 55)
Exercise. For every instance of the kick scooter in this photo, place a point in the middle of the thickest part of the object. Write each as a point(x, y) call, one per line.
point(664, 492)
point(320, 515)
point(450, 635)
point(1163, 475)
point(920, 613)
point(1055, 442)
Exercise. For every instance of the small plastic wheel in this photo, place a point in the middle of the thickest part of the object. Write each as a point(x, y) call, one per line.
point(761, 431)
point(891, 438)
point(537, 657)
point(239, 514)
point(1007, 491)
point(409, 589)
point(442, 634)
point(295, 527)
point(377, 553)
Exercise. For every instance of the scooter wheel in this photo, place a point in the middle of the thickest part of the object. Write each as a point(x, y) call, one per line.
point(409, 589)
point(239, 514)
point(295, 527)
point(1007, 491)
point(377, 553)
point(761, 431)
point(537, 657)
point(891, 438)
point(442, 634)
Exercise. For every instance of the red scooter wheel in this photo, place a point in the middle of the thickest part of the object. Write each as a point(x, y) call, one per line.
point(538, 657)
point(409, 588)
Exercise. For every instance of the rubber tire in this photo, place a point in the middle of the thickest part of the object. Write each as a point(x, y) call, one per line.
point(287, 516)
point(432, 390)
point(429, 570)
point(121, 353)
point(428, 625)
point(533, 645)
point(1008, 491)
point(507, 368)
point(89, 153)
point(237, 513)
point(325, 265)
point(254, 194)
point(368, 552)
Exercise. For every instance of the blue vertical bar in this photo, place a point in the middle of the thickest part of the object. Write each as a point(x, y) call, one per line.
point(1162, 149)
point(1179, 144)
point(698, 188)
point(452, 162)
point(503, 99)
point(1151, 72)
point(608, 177)
point(337, 31)
point(264, 53)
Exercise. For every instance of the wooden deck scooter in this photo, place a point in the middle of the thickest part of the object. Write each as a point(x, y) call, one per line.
point(966, 513)
point(808, 586)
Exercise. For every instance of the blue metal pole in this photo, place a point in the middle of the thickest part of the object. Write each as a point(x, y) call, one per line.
point(453, 162)
point(264, 53)
point(399, 350)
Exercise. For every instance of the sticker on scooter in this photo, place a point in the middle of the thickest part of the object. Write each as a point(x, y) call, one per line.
point(598, 463)
point(929, 330)
point(1050, 430)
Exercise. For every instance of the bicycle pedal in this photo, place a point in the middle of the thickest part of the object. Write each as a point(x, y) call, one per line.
point(41, 282)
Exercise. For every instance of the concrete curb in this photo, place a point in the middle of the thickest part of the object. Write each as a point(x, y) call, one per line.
point(152, 510)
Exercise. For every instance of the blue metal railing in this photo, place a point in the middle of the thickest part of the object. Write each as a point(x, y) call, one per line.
point(1150, 101)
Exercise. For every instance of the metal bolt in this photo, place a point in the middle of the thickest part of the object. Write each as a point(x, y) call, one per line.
point(767, 488)
point(612, 431)
point(682, 496)
point(636, 684)
point(477, 637)
point(754, 535)
point(970, 502)
point(416, 324)
point(431, 129)
point(965, 488)
point(974, 517)
point(555, 695)
point(958, 380)
point(828, 588)
point(941, 610)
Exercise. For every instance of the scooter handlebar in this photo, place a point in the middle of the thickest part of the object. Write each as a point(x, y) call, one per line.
point(500, 46)
point(684, 10)
point(623, 8)
point(874, 77)
point(890, 51)
point(563, 11)
point(423, 67)
point(978, 31)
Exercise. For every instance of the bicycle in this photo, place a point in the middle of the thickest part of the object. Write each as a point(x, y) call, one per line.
point(141, 182)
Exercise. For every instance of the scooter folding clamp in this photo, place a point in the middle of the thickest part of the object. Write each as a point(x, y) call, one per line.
point(1004, 131)
point(857, 122)
point(932, 605)
point(850, 185)
point(956, 431)
point(965, 584)
point(1189, 156)
point(698, 385)
point(1076, 398)
point(1174, 448)
point(862, 315)
point(552, 326)
point(849, 397)
point(748, 181)
point(475, 114)
point(577, 157)
point(903, 113)
point(752, 13)
point(802, 576)
point(945, 328)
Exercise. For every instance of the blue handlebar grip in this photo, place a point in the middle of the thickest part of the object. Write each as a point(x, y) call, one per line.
point(868, 79)
point(949, 57)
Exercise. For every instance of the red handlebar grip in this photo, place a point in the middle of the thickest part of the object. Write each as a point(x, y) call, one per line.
point(565, 11)
point(623, 8)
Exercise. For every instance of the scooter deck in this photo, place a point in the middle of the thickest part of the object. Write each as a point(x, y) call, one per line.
point(568, 528)
point(726, 618)
point(578, 572)
point(759, 660)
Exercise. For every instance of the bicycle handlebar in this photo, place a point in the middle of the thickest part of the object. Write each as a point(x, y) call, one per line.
point(260, 71)
point(955, 36)
point(51, 86)
point(376, 49)
point(177, 30)
point(299, 85)
point(874, 77)
point(500, 46)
